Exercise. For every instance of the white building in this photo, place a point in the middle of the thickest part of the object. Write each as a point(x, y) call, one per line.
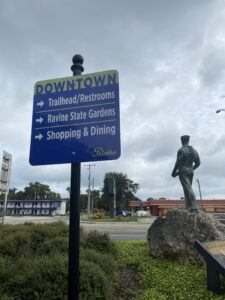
point(35, 207)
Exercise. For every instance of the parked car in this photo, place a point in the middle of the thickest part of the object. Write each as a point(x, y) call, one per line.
point(142, 213)
point(123, 213)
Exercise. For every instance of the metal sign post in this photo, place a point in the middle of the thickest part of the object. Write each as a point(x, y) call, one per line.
point(74, 227)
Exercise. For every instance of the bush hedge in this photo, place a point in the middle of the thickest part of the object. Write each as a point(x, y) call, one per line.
point(25, 240)
point(106, 261)
point(94, 283)
point(99, 242)
point(45, 277)
point(56, 245)
point(36, 278)
point(34, 263)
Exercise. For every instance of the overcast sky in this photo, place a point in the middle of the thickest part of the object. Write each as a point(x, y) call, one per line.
point(171, 59)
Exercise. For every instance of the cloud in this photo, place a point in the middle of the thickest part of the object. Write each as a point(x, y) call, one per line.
point(170, 59)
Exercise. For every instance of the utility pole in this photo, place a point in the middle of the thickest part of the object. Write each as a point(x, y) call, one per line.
point(112, 193)
point(89, 188)
point(93, 187)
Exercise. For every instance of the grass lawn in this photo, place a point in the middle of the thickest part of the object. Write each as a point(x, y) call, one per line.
point(116, 219)
point(156, 279)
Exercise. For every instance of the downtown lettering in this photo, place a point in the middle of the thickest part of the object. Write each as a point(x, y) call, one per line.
point(75, 83)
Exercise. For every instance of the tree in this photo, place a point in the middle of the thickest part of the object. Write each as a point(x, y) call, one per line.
point(125, 190)
point(96, 200)
point(82, 204)
point(13, 195)
point(19, 196)
point(150, 198)
point(68, 189)
point(37, 190)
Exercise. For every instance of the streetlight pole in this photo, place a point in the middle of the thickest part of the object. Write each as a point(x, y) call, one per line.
point(199, 187)
point(219, 110)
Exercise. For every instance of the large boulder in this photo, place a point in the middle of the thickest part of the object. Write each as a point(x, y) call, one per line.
point(173, 236)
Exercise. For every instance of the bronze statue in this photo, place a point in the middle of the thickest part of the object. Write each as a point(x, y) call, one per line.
point(187, 161)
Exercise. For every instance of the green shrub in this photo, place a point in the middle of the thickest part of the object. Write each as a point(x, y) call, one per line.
point(99, 242)
point(93, 282)
point(6, 230)
point(42, 232)
point(5, 274)
point(5, 297)
point(38, 278)
point(34, 263)
point(56, 245)
point(105, 261)
point(82, 237)
point(45, 277)
point(25, 240)
point(14, 244)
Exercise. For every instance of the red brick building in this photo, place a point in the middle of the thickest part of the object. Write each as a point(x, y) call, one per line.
point(161, 206)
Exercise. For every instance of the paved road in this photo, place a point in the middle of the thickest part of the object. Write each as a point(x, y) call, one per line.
point(116, 230)
point(121, 231)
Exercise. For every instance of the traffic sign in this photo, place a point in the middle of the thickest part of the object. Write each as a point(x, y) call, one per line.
point(76, 119)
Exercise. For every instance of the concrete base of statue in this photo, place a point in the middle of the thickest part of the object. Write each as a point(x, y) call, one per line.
point(173, 236)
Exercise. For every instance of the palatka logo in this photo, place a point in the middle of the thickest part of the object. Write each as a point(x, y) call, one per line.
point(99, 151)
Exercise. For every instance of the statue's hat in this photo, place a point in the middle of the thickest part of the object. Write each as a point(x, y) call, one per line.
point(185, 138)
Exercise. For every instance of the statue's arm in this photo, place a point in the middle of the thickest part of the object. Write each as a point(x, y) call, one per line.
point(175, 169)
point(197, 161)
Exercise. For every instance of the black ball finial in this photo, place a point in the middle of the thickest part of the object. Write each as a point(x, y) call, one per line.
point(77, 58)
point(77, 66)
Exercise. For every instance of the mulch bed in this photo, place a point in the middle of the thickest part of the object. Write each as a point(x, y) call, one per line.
point(128, 284)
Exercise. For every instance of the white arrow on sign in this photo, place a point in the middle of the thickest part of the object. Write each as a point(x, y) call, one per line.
point(41, 103)
point(38, 137)
point(40, 120)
